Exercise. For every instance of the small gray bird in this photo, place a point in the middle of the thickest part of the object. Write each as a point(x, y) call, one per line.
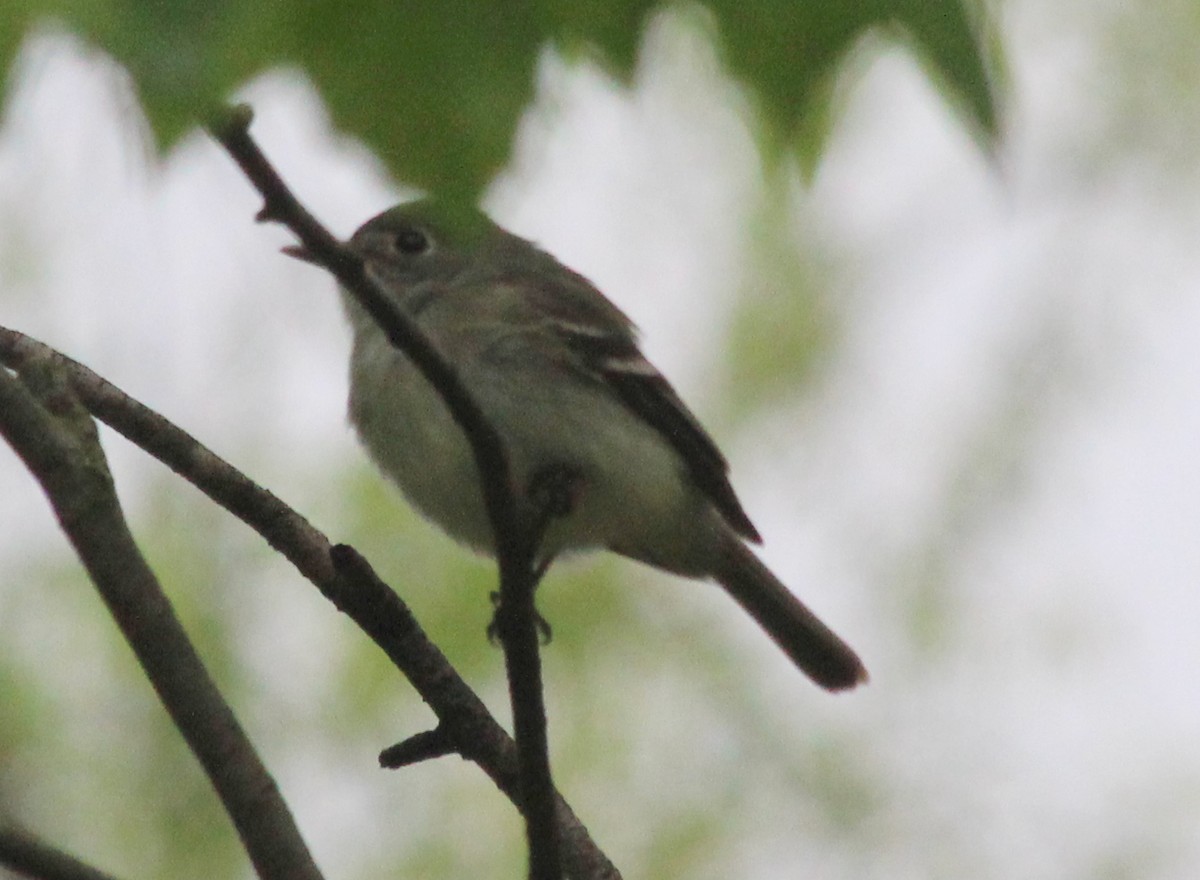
point(556, 369)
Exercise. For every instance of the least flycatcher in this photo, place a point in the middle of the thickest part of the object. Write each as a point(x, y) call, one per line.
point(556, 369)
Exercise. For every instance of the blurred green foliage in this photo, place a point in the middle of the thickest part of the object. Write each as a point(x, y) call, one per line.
point(782, 324)
point(437, 89)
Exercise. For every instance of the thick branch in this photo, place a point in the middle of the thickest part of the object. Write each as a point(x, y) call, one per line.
point(515, 547)
point(56, 439)
point(374, 607)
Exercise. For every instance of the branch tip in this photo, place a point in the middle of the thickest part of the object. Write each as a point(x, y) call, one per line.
point(348, 561)
point(424, 746)
point(229, 121)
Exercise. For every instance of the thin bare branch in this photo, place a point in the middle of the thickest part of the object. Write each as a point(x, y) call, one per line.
point(56, 438)
point(26, 854)
point(351, 585)
point(515, 544)
point(419, 747)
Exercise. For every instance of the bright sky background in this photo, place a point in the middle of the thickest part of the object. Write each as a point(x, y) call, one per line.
point(1010, 424)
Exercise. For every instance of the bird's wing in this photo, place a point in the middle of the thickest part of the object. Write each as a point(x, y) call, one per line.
point(599, 341)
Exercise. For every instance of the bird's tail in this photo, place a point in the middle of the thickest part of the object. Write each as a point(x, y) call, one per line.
point(813, 647)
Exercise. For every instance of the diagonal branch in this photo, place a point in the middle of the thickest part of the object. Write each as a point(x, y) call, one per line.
point(515, 545)
point(29, 856)
point(56, 438)
point(358, 592)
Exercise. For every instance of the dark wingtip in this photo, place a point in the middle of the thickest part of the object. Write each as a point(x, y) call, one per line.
point(737, 517)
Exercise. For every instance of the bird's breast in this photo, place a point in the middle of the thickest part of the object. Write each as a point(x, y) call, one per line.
point(409, 433)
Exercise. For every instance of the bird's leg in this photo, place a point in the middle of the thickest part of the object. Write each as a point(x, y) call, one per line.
point(555, 491)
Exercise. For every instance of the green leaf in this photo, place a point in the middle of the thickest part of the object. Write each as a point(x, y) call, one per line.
point(961, 52)
point(788, 55)
point(437, 89)
point(606, 32)
point(15, 20)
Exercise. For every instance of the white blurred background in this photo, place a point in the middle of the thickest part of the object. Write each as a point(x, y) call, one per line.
point(986, 473)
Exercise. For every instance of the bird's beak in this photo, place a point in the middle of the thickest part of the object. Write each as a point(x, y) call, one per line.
point(300, 252)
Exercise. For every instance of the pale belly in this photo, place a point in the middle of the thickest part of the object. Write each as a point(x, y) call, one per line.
point(633, 498)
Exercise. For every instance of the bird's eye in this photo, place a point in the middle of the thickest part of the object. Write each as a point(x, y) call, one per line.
point(410, 241)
